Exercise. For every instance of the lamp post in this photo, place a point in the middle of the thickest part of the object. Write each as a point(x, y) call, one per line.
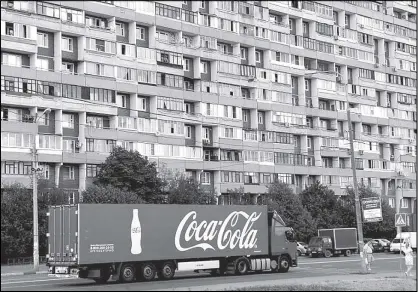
point(35, 169)
point(353, 167)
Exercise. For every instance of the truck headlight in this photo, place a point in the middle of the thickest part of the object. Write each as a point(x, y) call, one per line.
point(320, 249)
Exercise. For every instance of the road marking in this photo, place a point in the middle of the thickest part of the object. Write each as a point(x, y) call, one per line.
point(44, 280)
point(332, 262)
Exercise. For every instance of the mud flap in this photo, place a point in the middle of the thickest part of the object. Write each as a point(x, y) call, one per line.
point(116, 274)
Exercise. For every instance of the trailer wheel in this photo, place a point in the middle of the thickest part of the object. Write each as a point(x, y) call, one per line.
point(327, 254)
point(127, 273)
point(241, 266)
point(284, 264)
point(347, 253)
point(166, 271)
point(274, 265)
point(148, 272)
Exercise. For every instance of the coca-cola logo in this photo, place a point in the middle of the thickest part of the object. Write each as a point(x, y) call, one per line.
point(227, 235)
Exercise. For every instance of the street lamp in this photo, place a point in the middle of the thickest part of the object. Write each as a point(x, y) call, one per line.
point(353, 167)
point(35, 169)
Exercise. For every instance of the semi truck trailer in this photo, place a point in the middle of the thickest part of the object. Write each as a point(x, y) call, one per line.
point(132, 242)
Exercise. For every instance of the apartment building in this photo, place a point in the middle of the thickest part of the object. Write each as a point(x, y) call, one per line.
point(234, 93)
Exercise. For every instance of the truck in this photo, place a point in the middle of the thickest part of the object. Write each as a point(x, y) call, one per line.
point(398, 243)
point(333, 242)
point(142, 242)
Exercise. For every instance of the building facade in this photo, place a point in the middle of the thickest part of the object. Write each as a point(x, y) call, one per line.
point(234, 93)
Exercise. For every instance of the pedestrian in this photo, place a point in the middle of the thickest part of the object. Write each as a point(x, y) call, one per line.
point(409, 259)
point(368, 255)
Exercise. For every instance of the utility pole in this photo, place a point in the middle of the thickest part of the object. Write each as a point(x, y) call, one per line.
point(35, 169)
point(357, 199)
point(35, 208)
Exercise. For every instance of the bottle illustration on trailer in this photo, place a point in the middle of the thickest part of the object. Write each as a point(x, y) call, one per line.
point(136, 233)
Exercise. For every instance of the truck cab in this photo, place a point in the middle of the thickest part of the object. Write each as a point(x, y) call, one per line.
point(318, 244)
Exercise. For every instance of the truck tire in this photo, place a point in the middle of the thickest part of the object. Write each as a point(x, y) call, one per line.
point(127, 273)
point(327, 253)
point(284, 264)
point(148, 271)
point(167, 271)
point(347, 253)
point(241, 266)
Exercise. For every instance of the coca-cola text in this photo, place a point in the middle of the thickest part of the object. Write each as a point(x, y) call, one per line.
point(227, 235)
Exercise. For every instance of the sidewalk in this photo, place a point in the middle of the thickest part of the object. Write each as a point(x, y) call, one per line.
point(20, 270)
point(292, 281)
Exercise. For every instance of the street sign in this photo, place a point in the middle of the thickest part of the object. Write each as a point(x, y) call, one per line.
point(400, 220)
point(372, 209)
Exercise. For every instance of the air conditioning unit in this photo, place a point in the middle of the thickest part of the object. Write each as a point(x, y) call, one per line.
point(403, 17)
point(361, 26)
point(206, 141)
point(392, 156)
point(376, 65)
point(400, 173)
point(361, 152)
point(394, 69)
point(78, 144)
point(10, 4)
point(287, 124)
point(338, 79)
point(335, 37)
point(411, 140)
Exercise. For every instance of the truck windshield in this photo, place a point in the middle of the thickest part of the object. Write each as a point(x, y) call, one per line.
point(315, 241)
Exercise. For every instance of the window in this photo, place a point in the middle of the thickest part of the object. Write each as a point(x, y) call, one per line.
point(258, 56)
point(68, 146)
point(12, 60)
point(186, 64)
point(205, 178)
point(67, 67)
point(204, 67)
point(307, 85)
point(16, 167)
point(68, 121)
point(42, 64)
point(120, 28)
point(290, 23)
point(67, 44)
point(323, 28)
point(404, 203)
point(202, 4)
point(392, 202)
point(42, 40)
point(92, 170)
point(140, 33)
point(188, 131)
point(244, 53)
point(68, 173)
point(260, 118)
point(44, 119)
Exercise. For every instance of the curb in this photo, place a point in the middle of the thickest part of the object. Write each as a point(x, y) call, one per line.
point(24, 273)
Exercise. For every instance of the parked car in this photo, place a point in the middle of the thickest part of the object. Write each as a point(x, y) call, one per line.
point(377, 246)
point(301, 248)
point(385, 243)
point(304, 244)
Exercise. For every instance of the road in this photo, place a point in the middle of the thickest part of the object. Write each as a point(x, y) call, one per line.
point(308, 267)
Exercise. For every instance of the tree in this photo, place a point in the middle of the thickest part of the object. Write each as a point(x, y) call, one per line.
point(17, 218)
point(281, 198)
point(98, 194)
point(184, 190)
point(385, 228)
point(238, 196)
point(322, 204)
point(16, 221)
point(132, 172)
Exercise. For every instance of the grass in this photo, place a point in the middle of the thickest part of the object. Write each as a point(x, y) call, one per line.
point(392, 284)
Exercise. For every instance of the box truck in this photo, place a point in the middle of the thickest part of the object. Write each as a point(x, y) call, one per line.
point(335, 242)
point(129, 242)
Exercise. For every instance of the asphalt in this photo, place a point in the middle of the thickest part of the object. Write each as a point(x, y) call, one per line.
point(309, 271)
